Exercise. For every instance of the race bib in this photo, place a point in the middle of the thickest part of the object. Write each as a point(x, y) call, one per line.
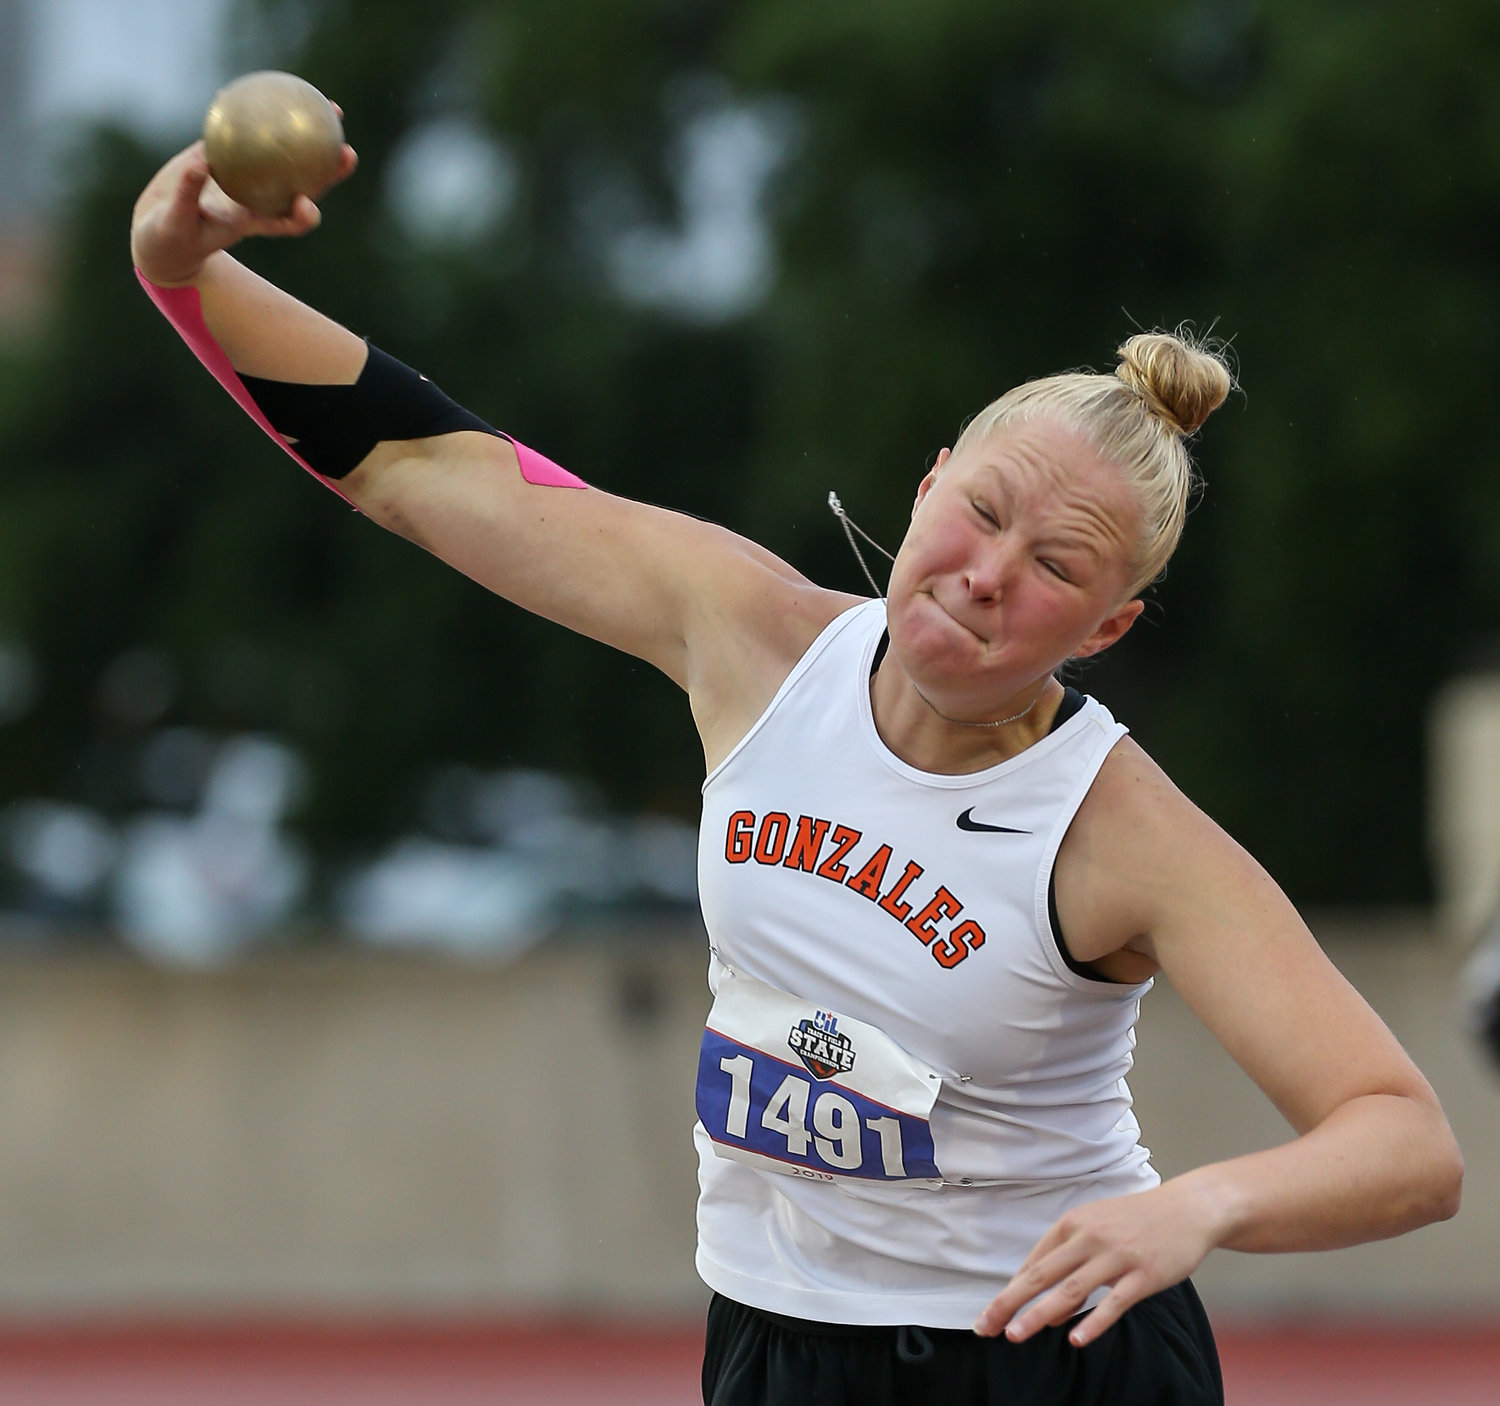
point(787, 1086)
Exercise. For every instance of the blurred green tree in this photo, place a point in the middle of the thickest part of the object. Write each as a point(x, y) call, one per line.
point(957, 195)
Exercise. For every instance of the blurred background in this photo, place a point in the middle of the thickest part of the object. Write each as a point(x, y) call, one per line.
point(352, 971)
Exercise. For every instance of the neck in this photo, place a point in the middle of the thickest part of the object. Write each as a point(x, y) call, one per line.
point(933, 735)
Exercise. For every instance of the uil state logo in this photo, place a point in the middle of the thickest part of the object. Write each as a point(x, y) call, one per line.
point(821, 1047)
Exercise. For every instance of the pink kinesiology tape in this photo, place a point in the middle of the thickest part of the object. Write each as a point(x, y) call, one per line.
point(183, 308)
point(538, 468)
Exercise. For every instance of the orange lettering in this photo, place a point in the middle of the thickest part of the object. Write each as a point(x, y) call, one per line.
point(737, 841)
point(952, 949)
point(870, 878)
point(806, 844)
point(772, 838)
point(892, 901)
point(969, 931)
point(943, 905)
point(844, 839)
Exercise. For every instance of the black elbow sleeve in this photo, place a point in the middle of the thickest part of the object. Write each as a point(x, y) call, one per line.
point(332, 428)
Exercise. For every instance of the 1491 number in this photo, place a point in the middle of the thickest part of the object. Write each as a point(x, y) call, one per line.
point(835, 1136)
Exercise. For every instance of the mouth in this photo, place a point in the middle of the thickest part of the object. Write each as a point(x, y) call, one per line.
point(968, 629)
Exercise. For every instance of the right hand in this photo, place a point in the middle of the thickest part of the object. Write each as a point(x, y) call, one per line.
point(183, 216)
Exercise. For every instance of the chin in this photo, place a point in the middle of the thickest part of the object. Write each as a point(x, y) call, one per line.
point(942, 657)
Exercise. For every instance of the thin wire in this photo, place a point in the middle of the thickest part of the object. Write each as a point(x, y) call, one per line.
point(850, 528)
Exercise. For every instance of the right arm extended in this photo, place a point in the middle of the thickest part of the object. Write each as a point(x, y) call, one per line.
point(718, 614)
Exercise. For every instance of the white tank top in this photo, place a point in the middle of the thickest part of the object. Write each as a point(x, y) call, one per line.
point(881, 898)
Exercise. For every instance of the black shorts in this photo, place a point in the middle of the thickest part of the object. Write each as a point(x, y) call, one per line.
point(1161, 1353)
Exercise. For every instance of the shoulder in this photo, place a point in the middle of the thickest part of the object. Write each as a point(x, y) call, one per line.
point(1135, 846)
point(746, 636)
point(761, 606)
point(1132, 804)
point(1131, 789)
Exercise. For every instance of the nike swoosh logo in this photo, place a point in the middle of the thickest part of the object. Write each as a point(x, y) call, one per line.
point(967, 822)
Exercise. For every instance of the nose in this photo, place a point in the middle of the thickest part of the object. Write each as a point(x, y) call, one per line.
point(990, 573)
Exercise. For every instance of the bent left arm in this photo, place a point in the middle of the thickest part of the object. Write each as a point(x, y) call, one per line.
point(1374, 1155)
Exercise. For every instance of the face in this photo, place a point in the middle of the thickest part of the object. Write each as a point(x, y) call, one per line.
point(1018, 557)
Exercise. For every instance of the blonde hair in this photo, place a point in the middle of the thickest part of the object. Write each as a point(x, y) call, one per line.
point(1138, 418)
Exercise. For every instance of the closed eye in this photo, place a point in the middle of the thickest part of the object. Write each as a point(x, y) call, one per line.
point(1057, 570)
point(983, 510)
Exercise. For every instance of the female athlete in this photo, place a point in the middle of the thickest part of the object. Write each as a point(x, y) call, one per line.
point(936, 882)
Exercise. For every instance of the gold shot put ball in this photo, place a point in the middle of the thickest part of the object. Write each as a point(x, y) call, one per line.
point(270, 137)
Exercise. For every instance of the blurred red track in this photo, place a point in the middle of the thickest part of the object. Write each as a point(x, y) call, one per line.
point(1372, 1365)
point(590, 1365)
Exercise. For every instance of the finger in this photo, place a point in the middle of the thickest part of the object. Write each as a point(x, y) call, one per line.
point(348, 159)
point(1063, 1302)
point(1030, 1281)
point(1109, 1310)
point(190, 183)
point(1021, 1290)
point(300, 219)
point(1056, 1235)
point(305, 215)
point(1055, 1238)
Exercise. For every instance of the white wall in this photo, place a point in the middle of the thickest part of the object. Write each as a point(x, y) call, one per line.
point(347, 1134)
point(1463, 804)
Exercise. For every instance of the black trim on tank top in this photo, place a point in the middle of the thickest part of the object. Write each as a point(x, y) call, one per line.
point(1069, 708)
point(1073, 964)
point(1072, 702)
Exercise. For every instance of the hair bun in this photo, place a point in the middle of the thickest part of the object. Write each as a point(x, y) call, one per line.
point(1182, 379)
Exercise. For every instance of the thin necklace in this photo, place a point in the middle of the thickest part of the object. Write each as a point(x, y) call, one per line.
point(964, 722)
point(850, 528)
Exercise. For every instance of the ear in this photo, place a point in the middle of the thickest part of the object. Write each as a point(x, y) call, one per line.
point(1110, 629)
point(925, 487)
